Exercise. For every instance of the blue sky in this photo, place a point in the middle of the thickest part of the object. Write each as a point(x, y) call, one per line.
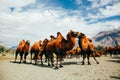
point(38, 19)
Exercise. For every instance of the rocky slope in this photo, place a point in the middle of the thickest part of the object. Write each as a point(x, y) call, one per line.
point(107, 38)
point(3, 45)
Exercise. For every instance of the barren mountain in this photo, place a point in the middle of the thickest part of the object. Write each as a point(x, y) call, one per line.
point(107, 38)
point(3, 45)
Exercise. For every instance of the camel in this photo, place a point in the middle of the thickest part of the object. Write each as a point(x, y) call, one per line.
point(43, 50)
point(108, 50)
point(52, 47)
point(74, 53)
point(71, 53)
point(26, 49)
point(23, 48)
point(116, 50)
point(78, 52)
point(112, 50)
point(86, 46)
point(98, 53)
point(59, 46)
point(36, 48)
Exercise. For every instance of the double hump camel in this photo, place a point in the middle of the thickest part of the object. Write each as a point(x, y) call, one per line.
point(86, 46)
point(60, 45)
point(22, 49)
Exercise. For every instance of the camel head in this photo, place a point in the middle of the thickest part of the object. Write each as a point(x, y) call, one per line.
point(28, 42)
point(45, 41)
point(40, 42)
point(72, 33)
point(22, 42)
point(80, 35)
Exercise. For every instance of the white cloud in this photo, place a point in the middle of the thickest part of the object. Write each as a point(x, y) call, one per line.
point(100, 3)
point(78, 2)
point(110, 10)
point(18, 4)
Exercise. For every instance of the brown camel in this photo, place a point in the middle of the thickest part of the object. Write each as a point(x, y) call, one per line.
point(71, 53)
point(26, 49)
point(87, 48)
point(52, 46)
point(23, 48)
point(59, 46)
point(36, 48)
point(43, 50)
point(78, 52)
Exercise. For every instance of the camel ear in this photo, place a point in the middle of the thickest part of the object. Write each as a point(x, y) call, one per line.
point(71, 30)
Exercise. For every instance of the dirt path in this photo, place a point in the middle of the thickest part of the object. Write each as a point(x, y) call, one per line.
point(108, 69)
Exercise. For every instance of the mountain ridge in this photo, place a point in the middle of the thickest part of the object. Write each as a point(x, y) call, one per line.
point(107, 38)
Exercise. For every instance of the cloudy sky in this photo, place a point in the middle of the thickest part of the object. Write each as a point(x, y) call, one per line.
point(38, 19)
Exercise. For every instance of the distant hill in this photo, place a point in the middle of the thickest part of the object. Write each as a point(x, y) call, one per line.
point(3, 45)
point(13, 47)
point(107, 38)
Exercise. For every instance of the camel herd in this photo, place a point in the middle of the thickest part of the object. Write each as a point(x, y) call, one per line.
point(59, 46)
point(112, 51)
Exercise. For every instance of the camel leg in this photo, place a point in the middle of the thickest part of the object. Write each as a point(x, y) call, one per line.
point(48, 59)
point(25, 57)
point(56, 66)
point(83, 62)
point(95, 59)
point(52, 59)
point(36, 55)
point(41, 59)
point(16, 56)
point(61, 62)
point(21, 57)
point(31, 58)
point(88, 57)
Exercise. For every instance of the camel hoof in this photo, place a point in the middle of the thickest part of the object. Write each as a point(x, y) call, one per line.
point(41, 63)
point(52, 64)
point(61, 66)
point(19, 62)
point(97, 62)
point(83, 63)
point(56, 67)
point(24, 61)
point(89, 64)
point(45, 61)
point(49, 64)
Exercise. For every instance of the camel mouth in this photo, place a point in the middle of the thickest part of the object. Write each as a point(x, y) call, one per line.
point(78, 35)
point(73, 33)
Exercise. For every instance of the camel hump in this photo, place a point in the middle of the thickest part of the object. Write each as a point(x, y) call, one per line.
point(60, 37)
point(22, 42)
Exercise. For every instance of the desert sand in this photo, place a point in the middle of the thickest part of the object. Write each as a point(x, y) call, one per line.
point(108, 69)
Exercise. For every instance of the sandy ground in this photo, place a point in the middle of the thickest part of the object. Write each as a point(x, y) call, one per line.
point(108, 69)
